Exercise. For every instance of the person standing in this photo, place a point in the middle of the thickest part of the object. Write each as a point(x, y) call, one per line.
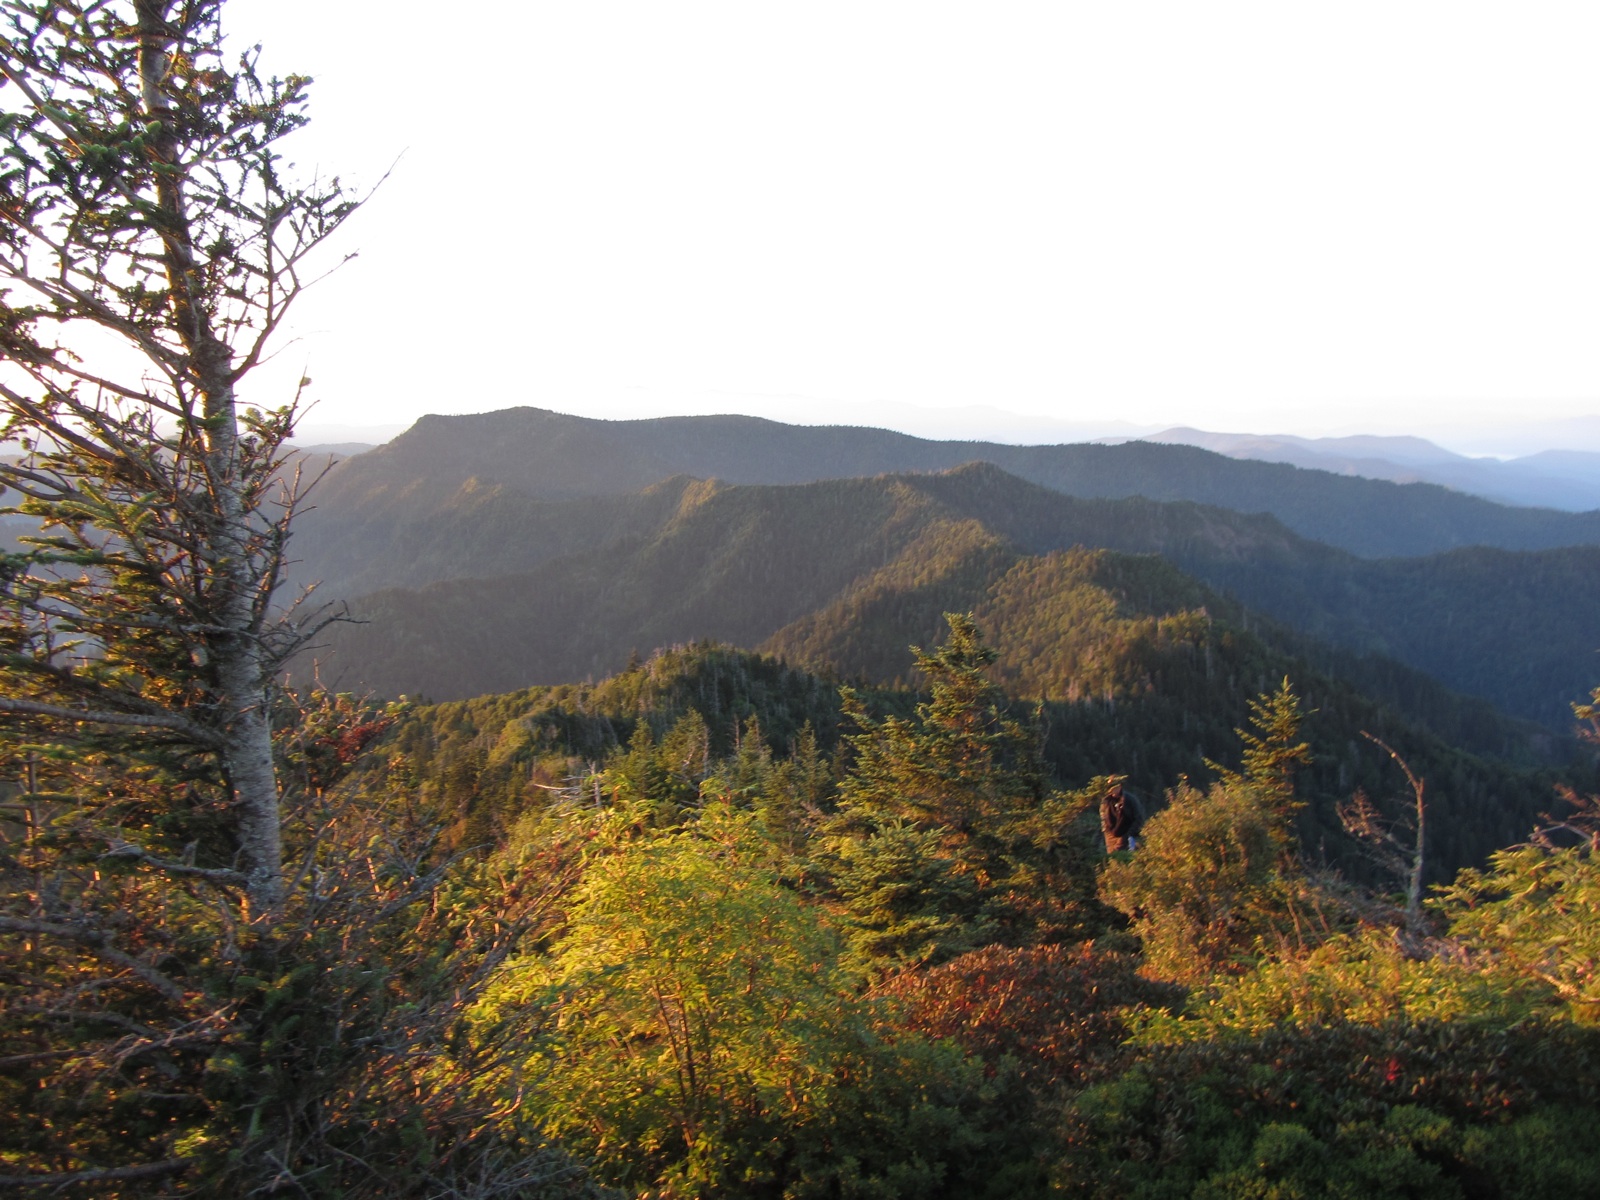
point(1121, 819)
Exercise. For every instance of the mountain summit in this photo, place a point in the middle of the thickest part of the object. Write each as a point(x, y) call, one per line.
point(550, 456)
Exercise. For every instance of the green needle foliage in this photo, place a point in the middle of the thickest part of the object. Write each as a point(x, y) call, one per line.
point(1215, 880)
point(963, 765)
point(947, 834)
point(1533, 915)
point(260, 944)
point(1272, 750)
point(220, 972)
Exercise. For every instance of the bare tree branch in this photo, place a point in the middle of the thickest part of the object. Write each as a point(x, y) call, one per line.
point(129, 852)
point(1362, 820)
point(174, 723)
point(155, 1170)
point(99, 943)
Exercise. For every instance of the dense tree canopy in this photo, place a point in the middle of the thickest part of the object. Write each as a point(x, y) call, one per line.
point(714, 926)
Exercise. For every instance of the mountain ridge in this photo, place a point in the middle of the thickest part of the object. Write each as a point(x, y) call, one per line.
point(551, 456)
point(741, 563)
point(1568, 480)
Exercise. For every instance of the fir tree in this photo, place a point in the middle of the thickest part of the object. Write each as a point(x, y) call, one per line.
point(936, 813)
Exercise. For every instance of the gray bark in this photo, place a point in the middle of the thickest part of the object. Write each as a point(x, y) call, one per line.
point(234, 650)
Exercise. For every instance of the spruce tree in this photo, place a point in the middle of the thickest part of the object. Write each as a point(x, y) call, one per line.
point(199, 948)
point(1272, 749)
point(937, 813)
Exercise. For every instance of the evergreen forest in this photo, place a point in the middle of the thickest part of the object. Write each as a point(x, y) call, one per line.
point(718, 809)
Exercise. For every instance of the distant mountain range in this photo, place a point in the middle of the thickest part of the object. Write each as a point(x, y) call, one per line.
point(552, 456)
point(488, 588)
point(1141, 670)
point(526, 546)
point(1140, 593)
point(1564, 479)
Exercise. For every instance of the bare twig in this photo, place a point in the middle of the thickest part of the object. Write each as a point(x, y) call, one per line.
point(177, 724)
point(155, 1170)
point(1407, 857)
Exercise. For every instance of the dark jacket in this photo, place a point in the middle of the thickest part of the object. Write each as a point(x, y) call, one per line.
point(1121, 819)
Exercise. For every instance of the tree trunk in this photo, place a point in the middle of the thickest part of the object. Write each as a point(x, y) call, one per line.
point(234, 651)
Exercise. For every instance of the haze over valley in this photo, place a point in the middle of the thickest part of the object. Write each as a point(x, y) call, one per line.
point(672, 530)
point(722, 601)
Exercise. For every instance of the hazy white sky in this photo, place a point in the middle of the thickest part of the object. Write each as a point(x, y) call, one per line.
point(1278, 217)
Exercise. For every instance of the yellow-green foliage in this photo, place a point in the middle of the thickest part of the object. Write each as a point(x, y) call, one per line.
point(693, 1032)
point(690, 990)
point(1365, 978)
point(1272, 750)
point(1535, 914)
point(1215, 878)
point(1203, 889)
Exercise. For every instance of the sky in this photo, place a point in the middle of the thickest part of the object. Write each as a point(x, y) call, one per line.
point(1035, 221)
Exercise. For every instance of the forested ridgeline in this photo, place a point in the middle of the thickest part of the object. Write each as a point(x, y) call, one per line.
point(869, 944)
point(787, 566)
point(713, 926)
point(1171, 703)
point(716, 927)
point(550, 455)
